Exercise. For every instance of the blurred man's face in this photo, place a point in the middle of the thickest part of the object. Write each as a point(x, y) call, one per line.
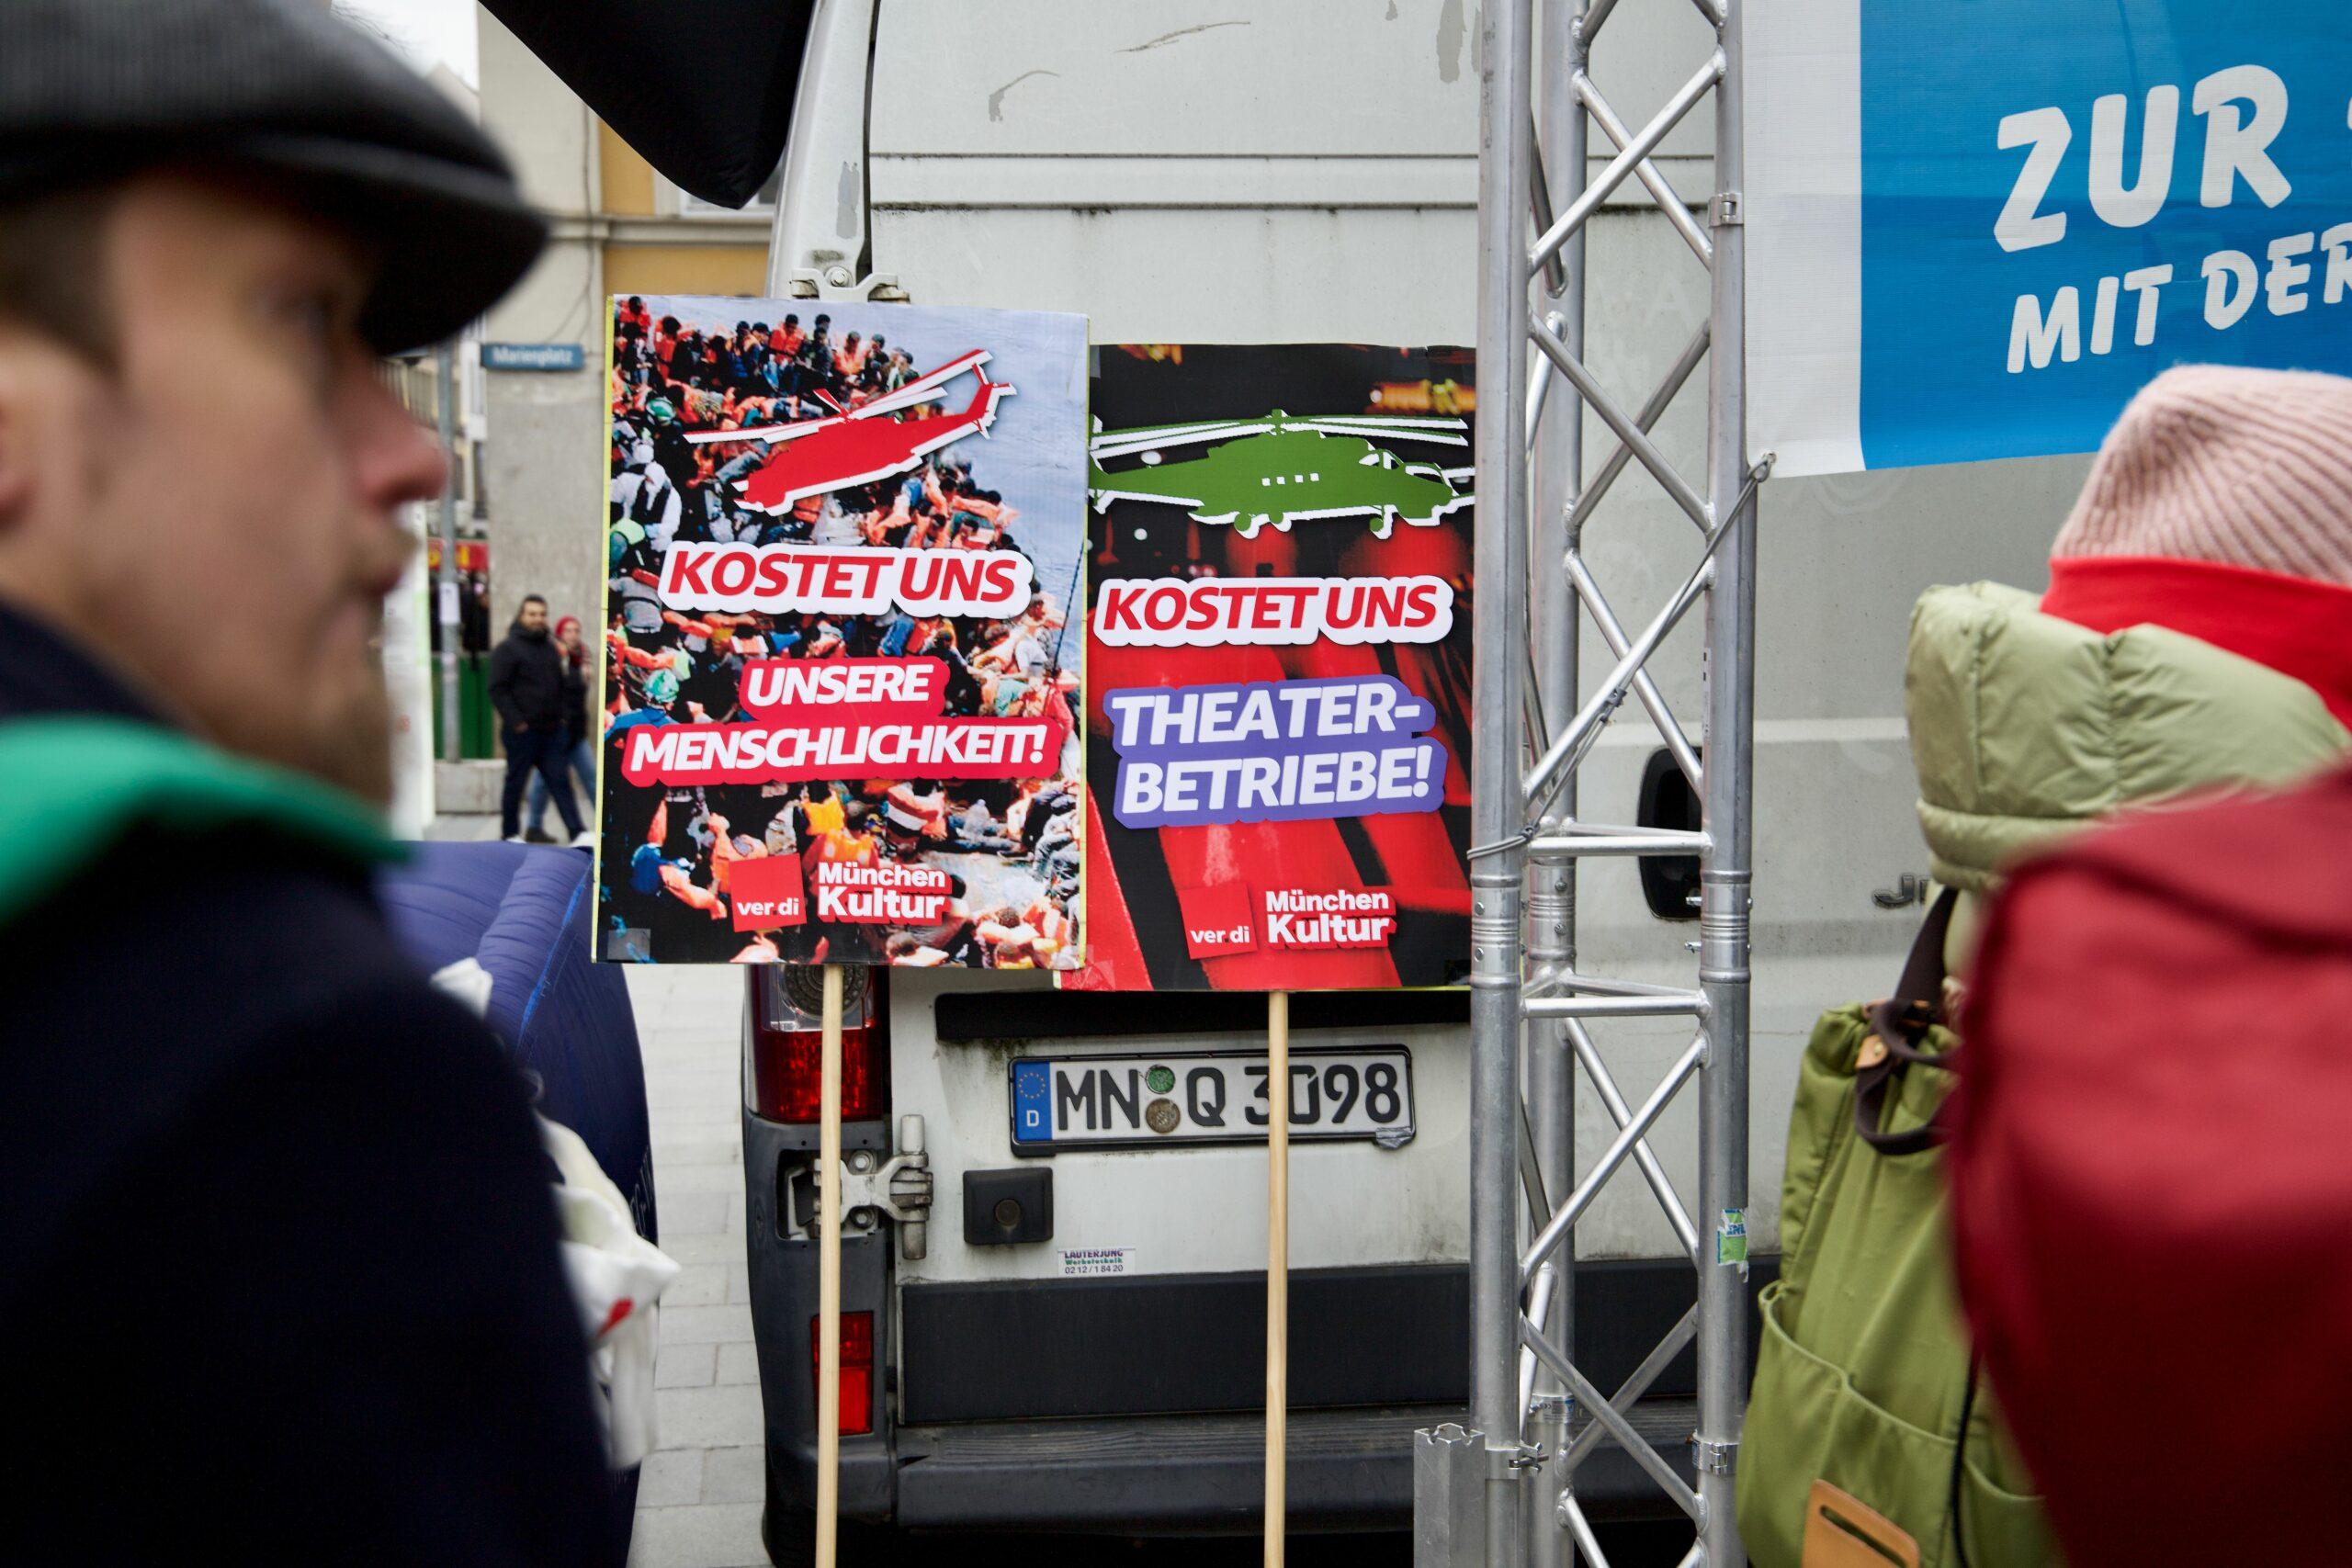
point(532, 616)
point(217, 513)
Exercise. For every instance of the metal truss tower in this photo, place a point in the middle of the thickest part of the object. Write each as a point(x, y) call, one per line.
point(1504, 1494)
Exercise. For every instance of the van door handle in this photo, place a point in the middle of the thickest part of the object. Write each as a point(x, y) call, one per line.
point(900, 1186)
point(1909, 888)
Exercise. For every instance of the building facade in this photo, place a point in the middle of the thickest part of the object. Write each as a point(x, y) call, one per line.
point(620, 227)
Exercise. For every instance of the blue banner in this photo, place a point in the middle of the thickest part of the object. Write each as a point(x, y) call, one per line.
point(2033, 207)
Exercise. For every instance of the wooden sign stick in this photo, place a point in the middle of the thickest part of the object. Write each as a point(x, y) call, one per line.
point(1277, 1268)
point(828, 1276)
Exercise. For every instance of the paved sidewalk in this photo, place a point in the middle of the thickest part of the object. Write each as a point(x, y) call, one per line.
point(698, 1497)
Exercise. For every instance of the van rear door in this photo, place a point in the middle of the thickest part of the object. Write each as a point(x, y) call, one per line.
point(1307, 171)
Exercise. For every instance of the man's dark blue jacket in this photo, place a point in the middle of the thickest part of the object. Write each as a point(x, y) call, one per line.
point(279, 1277)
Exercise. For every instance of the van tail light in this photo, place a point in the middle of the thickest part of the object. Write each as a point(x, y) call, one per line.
point(787, 1044)
point(857, 1369)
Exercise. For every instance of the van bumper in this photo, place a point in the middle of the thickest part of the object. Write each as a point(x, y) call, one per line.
point(1348, 1470)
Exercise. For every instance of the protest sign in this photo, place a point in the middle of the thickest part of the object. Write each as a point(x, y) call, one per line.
point(1976, 232)
point(1278, 667)
point(840, 688)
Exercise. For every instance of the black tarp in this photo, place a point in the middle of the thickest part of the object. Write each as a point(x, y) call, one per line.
point(701, 88)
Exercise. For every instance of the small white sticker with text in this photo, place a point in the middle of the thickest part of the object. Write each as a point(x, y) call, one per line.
point(1090, 1262)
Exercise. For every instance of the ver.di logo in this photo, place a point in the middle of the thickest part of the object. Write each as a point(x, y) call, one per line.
point(1284, 468)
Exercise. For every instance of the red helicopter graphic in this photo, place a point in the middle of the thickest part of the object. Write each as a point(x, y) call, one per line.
point(859, 447)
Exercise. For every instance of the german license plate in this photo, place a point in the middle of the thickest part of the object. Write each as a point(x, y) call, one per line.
point(1211, 1097)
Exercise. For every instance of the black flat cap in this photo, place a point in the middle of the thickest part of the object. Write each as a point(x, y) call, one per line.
point(95, 89)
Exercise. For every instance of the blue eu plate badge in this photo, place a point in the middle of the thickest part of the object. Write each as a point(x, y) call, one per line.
point(1031, 1086)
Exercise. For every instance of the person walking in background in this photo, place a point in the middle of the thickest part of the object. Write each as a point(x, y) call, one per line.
point(527, 687)
point(578, 745)
point(282, 1272)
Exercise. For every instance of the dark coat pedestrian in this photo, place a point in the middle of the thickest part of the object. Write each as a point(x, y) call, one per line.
point(526, 683)
point(528, 688)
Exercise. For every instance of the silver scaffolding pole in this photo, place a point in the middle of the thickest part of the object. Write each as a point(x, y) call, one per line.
point(1725, 871)
point(1505, 172)
point(1557, 429)
point(1537, 1414)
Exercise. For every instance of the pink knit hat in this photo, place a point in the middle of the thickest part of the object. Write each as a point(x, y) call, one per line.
point(2222, 464)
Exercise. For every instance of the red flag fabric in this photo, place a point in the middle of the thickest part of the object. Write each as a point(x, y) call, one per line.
point(703, 90)
point(2151, 1186)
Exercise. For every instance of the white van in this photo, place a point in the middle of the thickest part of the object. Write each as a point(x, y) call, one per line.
point(1074, 1341)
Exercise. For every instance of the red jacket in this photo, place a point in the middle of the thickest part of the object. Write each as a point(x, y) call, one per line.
point(2151, 1178)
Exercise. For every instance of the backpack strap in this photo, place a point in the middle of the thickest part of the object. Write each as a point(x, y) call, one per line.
point(1957, 1523)
point(1897, 1024)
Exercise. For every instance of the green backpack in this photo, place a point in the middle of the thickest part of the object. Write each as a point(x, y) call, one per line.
point(1864, 1378)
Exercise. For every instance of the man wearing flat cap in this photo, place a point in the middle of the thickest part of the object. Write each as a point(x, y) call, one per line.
point(278, 1264)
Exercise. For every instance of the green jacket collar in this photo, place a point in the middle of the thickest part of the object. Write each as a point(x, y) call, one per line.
point(74, 786)
point(2025, 726)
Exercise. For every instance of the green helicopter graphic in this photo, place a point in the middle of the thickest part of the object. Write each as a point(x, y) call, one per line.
point(1284, 467)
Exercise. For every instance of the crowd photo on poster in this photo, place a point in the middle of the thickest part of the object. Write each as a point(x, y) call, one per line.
point(840, 681)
